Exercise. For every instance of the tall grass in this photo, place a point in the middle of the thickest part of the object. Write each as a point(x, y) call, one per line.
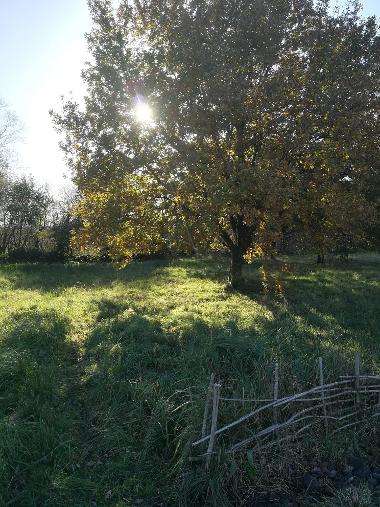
point(103, 371)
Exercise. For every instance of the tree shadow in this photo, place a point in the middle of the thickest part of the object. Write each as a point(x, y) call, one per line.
point(57, 277)
point(144, 383)
point(109, 308)
point(38, 417)
point(33, 342)
point(336, 306)
point(130, 401)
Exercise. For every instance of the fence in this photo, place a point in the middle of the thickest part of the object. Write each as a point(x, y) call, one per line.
point(337, 405)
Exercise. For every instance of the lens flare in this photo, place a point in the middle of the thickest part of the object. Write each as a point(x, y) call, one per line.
point(143, 113)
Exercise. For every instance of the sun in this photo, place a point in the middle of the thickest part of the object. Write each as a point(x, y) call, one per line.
point(143, 113)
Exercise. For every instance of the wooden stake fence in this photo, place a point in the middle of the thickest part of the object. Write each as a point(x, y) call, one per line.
point(339, 405)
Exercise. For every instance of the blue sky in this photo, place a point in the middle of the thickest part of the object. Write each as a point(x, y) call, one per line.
point(42, 50)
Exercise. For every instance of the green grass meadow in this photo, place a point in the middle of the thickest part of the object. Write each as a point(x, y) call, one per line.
point(103, 372)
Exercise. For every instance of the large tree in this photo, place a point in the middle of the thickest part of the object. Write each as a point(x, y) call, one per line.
point(265, 118)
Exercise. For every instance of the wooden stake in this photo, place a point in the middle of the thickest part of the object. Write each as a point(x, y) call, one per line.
point(357, 376)
point(207, 405)
point(275, 391)
point(214, 420)
point(322, 383)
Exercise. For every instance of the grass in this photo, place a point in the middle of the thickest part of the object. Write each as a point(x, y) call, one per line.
point(350, 497)
point(103, 371)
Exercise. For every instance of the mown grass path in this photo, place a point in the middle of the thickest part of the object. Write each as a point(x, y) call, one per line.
point(96, 365)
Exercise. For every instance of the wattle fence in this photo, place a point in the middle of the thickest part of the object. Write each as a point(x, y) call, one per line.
point(336, 406)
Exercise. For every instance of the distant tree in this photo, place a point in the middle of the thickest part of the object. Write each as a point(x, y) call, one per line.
point(262, 111)
point(24, 214)
point(9, 132)
point(32, 223)
point(64, 223)
point(9, 126)
point(10, 129)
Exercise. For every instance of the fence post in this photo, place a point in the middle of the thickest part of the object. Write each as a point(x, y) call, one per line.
point(275, 391)
point(357, 376)
point(207, 405)
point(322, 383)
point(214, 420)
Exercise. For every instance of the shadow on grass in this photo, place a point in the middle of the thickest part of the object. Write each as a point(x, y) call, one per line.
point(336, 307)
point(33, 347)
point(57, 277)
point(39, 421)
point(133, 403)
point(136, 343)
point(144, 385)
point(108, 308)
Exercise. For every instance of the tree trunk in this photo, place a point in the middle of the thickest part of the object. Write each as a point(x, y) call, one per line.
point(237, 240)
point(320, 258)
point(236, 269)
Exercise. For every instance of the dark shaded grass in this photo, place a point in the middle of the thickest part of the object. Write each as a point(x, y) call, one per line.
point(103, 372)
point(56, 277)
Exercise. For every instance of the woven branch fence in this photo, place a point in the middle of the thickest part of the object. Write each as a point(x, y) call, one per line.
point(335, 406)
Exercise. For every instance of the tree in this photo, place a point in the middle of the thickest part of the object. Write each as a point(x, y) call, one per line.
point(262, 109)
point(63, 223)
point(10, 129)
point(24, 213)
point(9, 132)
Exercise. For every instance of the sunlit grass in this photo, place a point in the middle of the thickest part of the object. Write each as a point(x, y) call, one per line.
point(94, 363)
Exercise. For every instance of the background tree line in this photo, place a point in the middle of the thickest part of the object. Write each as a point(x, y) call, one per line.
point(34, 225)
